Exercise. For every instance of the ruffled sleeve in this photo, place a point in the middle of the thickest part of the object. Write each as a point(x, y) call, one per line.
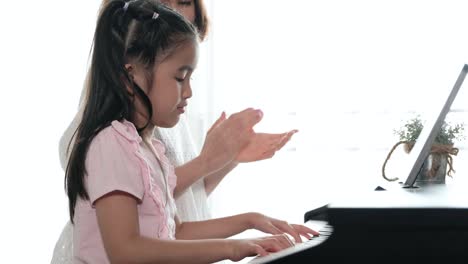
point(112, 165)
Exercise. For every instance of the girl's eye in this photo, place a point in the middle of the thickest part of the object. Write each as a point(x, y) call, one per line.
point(179, 79)
point(185, 3)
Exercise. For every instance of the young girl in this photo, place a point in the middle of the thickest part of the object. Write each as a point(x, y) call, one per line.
point(119, 182)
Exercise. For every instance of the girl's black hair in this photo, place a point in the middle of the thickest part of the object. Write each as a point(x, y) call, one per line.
point(136, 31)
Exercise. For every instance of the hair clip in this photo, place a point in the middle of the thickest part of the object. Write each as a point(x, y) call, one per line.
point(125, 7)
point(155, 15)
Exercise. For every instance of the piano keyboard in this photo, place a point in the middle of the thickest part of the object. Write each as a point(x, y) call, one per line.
point(325, 231)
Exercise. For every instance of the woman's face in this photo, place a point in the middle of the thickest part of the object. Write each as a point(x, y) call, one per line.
point(184, 7)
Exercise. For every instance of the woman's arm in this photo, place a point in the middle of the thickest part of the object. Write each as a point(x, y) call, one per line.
point(212, 181)
point(229, 142)
point(118, 223)
point(223, 142)
point(189, 173)
point(194, 170)
point(262, 146)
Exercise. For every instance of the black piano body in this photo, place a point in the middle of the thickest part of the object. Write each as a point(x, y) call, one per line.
point(393, 226)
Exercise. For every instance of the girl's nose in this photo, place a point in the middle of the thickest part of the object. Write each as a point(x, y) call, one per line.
point(187, 91)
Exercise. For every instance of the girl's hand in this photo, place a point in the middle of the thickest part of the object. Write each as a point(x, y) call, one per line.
point(260, 246)
point(274, 226)
point(227, 137)
point(263, 146)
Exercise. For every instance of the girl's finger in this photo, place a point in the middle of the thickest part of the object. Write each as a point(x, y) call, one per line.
point(283, 241)
point(305, 231)
point(287, 241)
point(287, 228)
point(259, 250)
point(271, 244)
point(271, 229)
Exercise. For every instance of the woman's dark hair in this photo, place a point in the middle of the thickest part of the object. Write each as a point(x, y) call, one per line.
point(136, 31)
point(201, 19)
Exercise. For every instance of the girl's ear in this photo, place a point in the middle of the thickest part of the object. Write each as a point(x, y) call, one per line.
point(131, 73)
point(137, 75)
point(130, 70)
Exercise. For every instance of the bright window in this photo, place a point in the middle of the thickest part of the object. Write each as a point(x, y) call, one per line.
point(346, 74)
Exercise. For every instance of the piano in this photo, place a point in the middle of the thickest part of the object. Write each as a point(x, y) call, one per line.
point(399, 225)
point(412, 222)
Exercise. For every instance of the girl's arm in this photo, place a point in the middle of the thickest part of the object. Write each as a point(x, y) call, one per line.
point(214, 228)
point(118, 224)
point(232, 225)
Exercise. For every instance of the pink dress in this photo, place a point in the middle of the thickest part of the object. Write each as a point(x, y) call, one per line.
point(118, 160)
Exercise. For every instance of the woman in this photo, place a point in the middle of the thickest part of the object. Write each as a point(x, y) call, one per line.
point(226, 145)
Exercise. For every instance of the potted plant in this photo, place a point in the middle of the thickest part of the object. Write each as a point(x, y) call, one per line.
point(435, 167)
